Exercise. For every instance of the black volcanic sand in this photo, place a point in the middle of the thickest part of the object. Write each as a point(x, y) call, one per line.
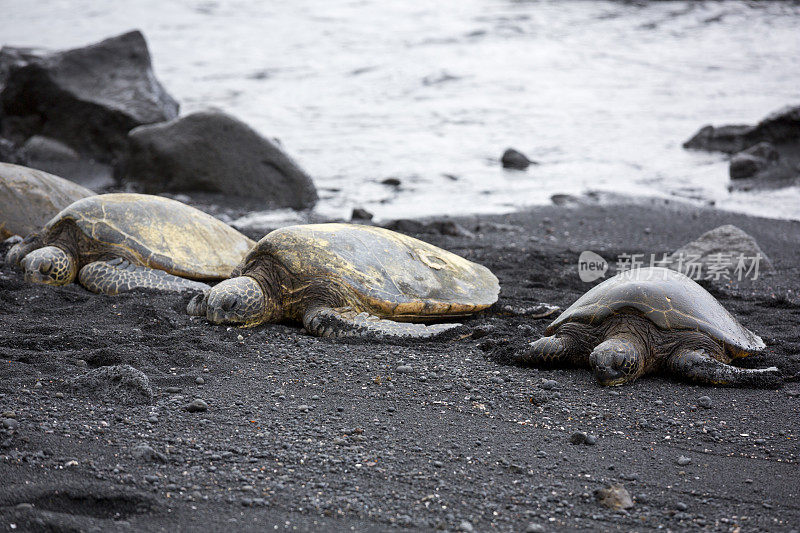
point(310, 434)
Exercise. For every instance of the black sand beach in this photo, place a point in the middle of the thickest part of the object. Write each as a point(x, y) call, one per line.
point(308, 434)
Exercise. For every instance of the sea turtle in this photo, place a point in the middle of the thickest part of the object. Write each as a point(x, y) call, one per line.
point(117, 242)
point(647, 320)
point(29, 198)
point(349, 280)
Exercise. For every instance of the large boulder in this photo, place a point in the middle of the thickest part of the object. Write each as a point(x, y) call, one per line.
point(88, 98)
point(210, 151)
point(780, 127)
point(30, 198)
point(748, 163)
point(766, 155)
point(55, 157)
point(722, 254)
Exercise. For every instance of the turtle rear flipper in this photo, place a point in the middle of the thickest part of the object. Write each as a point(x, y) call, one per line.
point(119, 275)
point(698, 366)
point(345, 322)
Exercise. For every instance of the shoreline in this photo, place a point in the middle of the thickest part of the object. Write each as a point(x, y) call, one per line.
point(325, 434)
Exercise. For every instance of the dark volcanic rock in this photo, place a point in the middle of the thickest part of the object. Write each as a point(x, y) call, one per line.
point(360, 213)
point(119, 383)
point(55, 157)
point(730, 139)
point(148, 454)
point(614, 497)
point(764, 150)
point(779, 127)
point(744, 165)
point(764, 166)
point(441, 227)
point(8, 154)
point(748, 163)
point(47, 149)
point(515, 159)
point(196, 406)
point(89, 98)
point(211, 151)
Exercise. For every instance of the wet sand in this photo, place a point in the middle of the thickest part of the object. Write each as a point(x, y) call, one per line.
point(311, 434)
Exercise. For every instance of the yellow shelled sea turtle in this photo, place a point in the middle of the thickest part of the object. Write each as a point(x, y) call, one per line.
point(30, 197)
point(650, 320)
point(349, 280)
point(117, 242)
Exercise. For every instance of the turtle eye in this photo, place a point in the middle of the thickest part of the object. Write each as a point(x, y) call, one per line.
point(45, 266)
point(228, 302)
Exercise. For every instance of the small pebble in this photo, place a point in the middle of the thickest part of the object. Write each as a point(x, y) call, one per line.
point(534, 528)
point(704, 402)
point(172, 390)
point(683, 460)
point(680, 506)
point(549, 384)
point(239, 338)
point(404, 369)
point(591, 440)
point(8, 414)
point(303, 408)
point(578, 438)
point(196, 406)
point(9, 423)
point(466, 527)
point(199, 380)
point(59, 395)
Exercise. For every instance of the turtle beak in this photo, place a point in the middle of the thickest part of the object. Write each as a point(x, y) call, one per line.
point(608, 376)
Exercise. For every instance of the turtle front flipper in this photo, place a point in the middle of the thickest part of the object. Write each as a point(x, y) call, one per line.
point(698, 366)
point(345, 322)
point(119, 275)
point(549, 351)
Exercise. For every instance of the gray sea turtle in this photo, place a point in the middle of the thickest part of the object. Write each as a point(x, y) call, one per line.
point(29, 198)
point(117, 242)
point(349, 280)
point(648, 320)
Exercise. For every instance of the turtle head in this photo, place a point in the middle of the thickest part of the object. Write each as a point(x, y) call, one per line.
point(50, 265)
point(616, 361)
point(239, 300)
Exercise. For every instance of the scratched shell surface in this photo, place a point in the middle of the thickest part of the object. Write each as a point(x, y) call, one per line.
point(159, 233)
point(668, 298)
point(29, 198)
point(392, 272)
